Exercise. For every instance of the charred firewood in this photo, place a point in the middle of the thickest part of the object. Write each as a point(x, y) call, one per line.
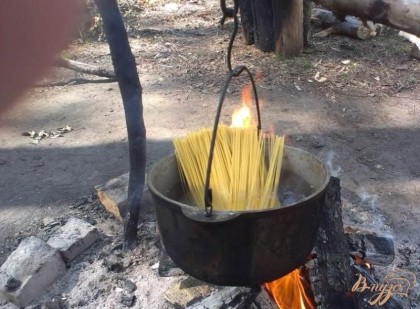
point(131, 93)
point(331, 272)
point(370, 246)
point(392, 302)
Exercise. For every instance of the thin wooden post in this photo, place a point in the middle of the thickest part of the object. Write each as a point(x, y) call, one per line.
point(131, 93)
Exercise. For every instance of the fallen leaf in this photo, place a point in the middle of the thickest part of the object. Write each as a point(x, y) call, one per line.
point(318, 78)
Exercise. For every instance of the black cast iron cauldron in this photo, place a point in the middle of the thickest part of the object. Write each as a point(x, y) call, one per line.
point(241, 248)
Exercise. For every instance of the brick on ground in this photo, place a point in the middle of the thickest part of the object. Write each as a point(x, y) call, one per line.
point(29, 271)
point(73, 238)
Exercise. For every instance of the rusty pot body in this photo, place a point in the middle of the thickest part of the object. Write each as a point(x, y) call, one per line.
point(241, 248)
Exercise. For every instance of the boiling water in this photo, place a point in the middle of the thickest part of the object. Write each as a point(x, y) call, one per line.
point(292, 189)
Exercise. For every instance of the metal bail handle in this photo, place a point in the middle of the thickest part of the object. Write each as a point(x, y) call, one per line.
point(234, 73)
point(231, 13)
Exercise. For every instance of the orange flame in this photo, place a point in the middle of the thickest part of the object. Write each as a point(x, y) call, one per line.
point(242, 117)
point(290, 292)
point(358, 260)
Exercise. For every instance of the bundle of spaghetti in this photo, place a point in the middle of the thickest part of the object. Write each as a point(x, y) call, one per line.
point(245, 171)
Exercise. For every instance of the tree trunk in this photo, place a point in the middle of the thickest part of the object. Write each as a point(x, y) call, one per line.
point(288, 27)
point(401, 14)
point(276, 25)
point(245, 10)
point(131, 92)
point(262, 13)
point(307, 12)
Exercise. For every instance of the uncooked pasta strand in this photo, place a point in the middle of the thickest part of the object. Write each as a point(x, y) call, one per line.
point(245, 171)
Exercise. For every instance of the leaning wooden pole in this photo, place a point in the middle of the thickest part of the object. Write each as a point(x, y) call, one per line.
point(401, 14)
point(131, 93)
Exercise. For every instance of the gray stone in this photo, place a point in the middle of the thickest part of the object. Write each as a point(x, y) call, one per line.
point(73, 238)
point(127, 285)
point(128, 300)
point(29, 270)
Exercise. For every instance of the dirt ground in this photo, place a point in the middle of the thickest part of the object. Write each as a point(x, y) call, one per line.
point(354, 104)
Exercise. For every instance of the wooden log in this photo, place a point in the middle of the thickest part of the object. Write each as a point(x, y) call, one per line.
point(228, 297)
point(400, 14)
point(415, 51)
point(349, 26)
point(192, 293)
point(131, 93)
point(288, 27)
point(84, 68)
point(276, 25)
point(307, 14)
point(392, 303)
point(331, 272)
point(187, 292)
point(415, 48)
point(372, 247)
point(262, 14)
point(247, 23)
point(263, 301)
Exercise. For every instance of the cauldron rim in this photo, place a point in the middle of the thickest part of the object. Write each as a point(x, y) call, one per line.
point(175, 203)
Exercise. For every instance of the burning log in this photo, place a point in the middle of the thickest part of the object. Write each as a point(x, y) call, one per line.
point(370, 246)
point(332, 272)
point(131, 92)
point(392, 303)
point(333, 276)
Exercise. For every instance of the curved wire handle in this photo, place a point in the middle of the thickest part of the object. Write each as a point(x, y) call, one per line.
point(234, 73)
point(233, 13)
